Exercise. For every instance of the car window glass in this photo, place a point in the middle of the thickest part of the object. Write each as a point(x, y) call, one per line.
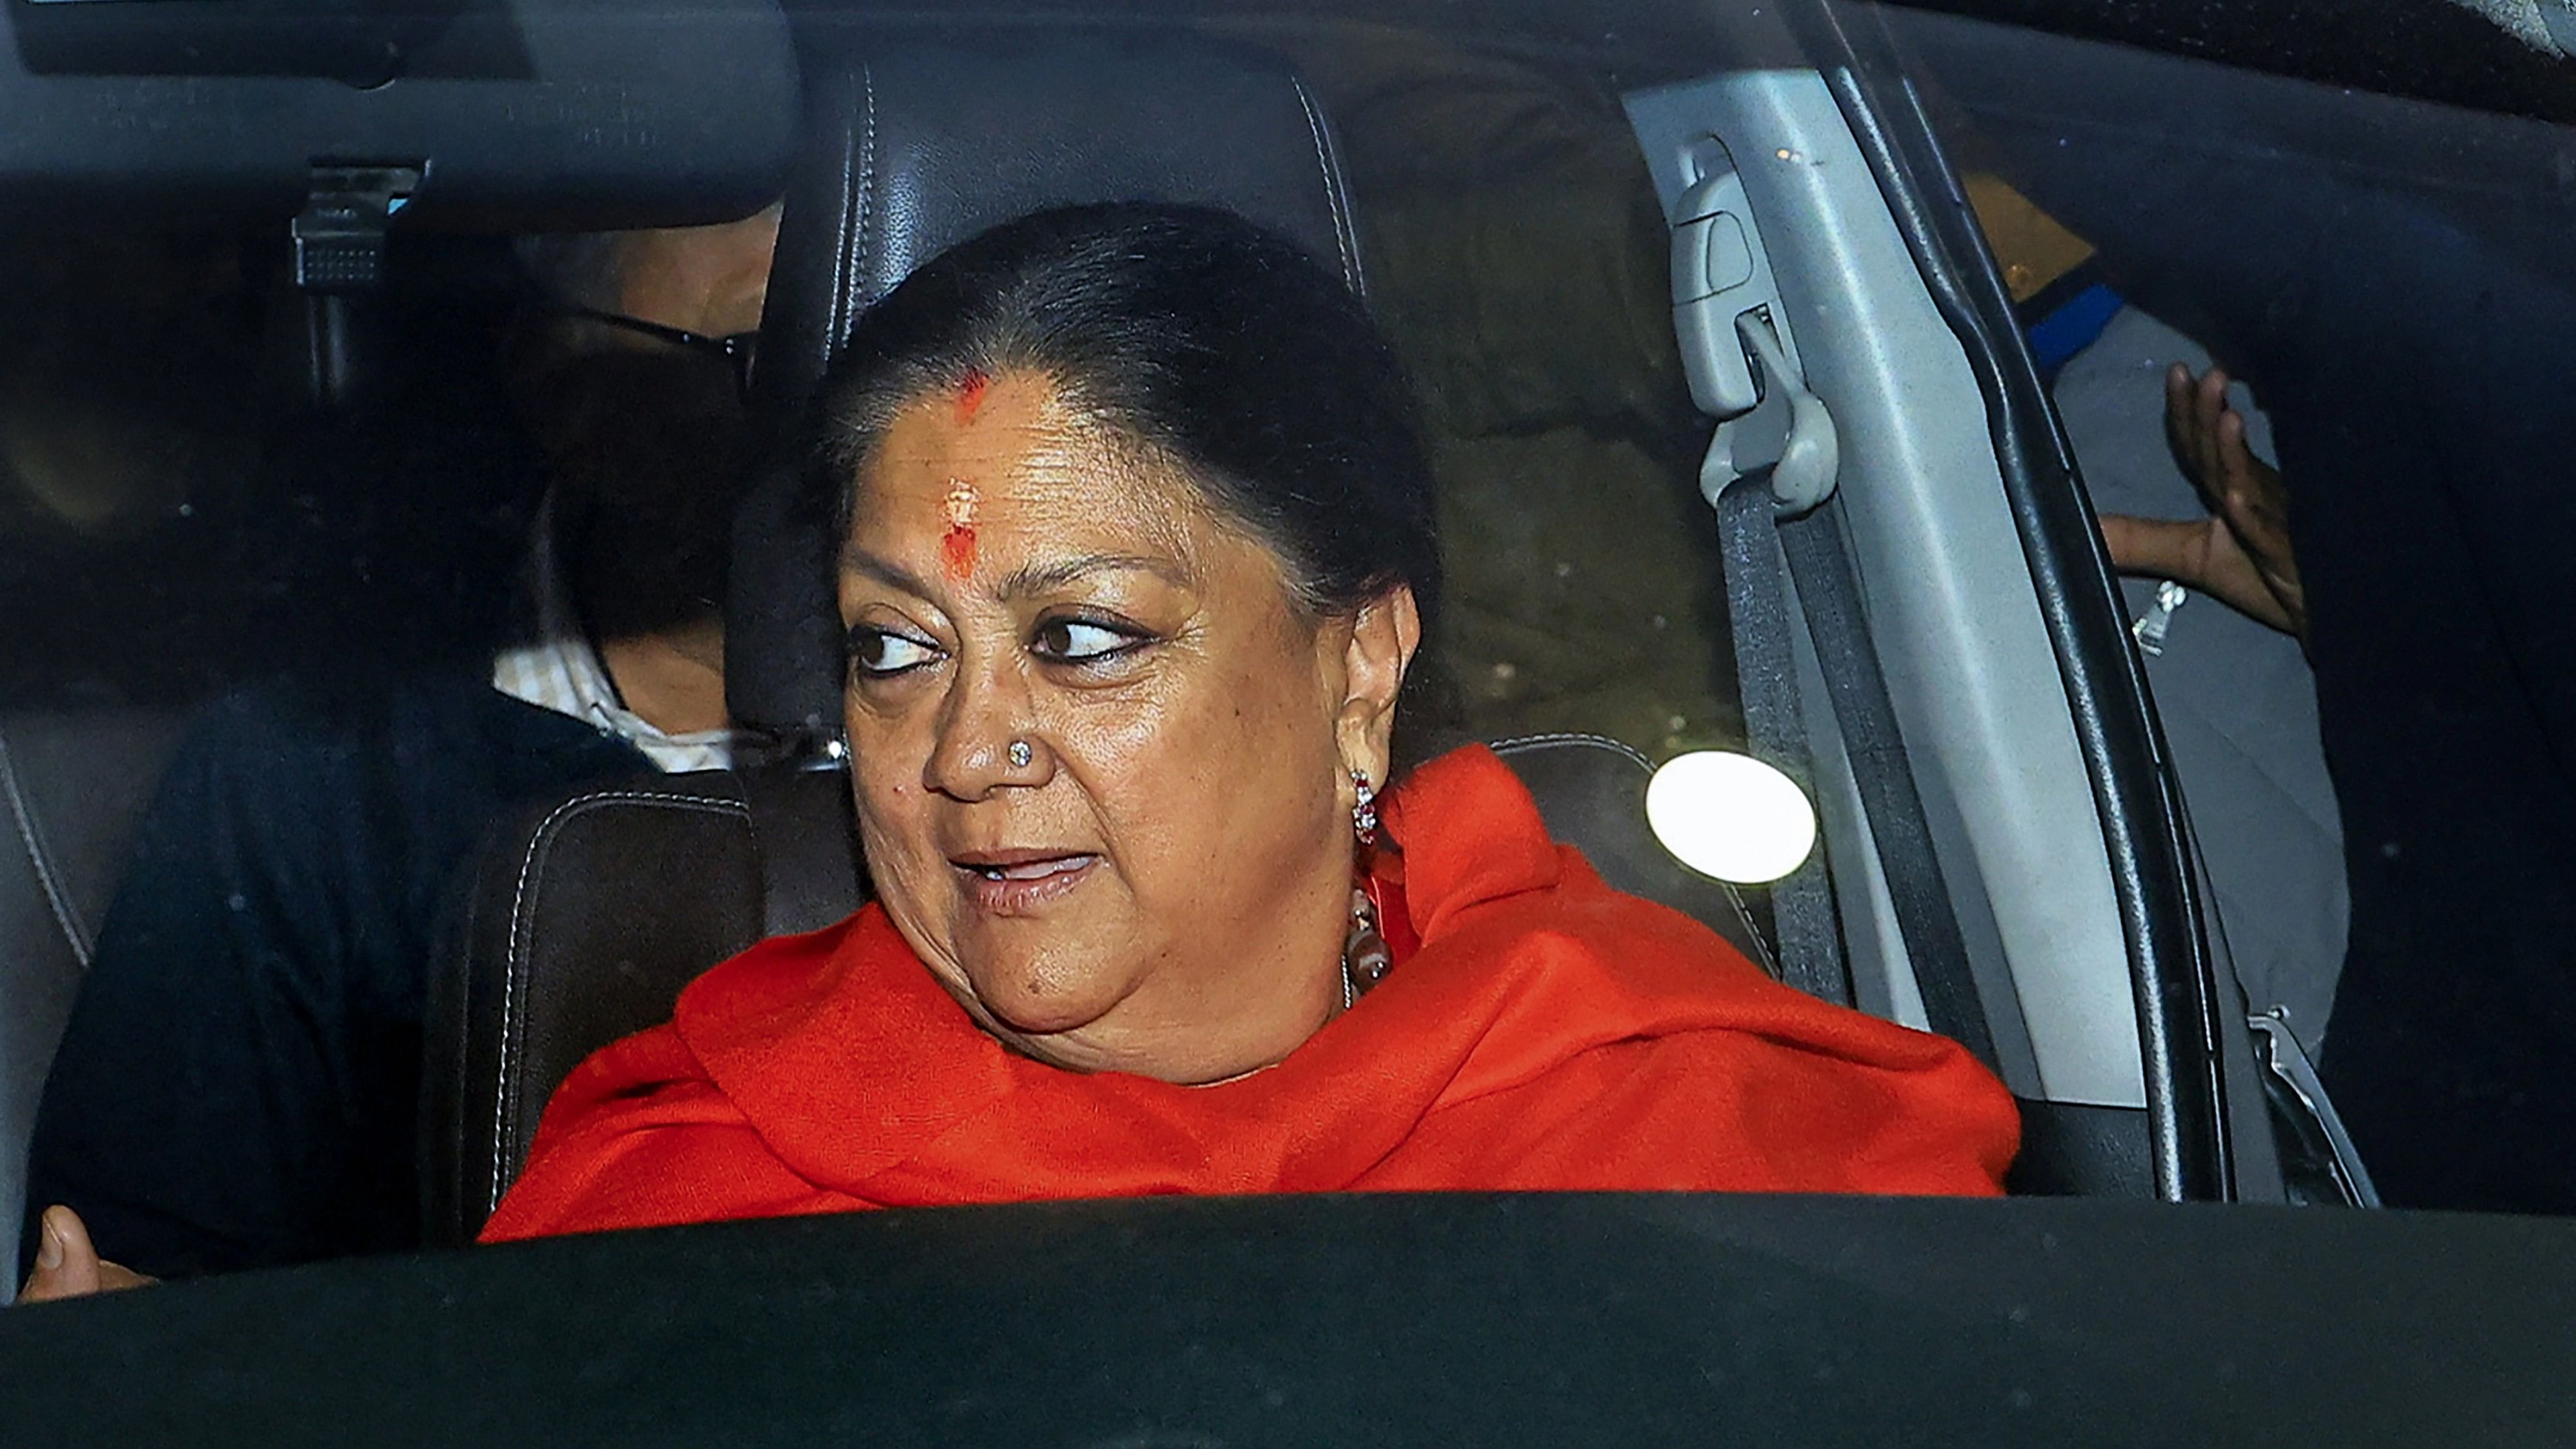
point(2346, 567)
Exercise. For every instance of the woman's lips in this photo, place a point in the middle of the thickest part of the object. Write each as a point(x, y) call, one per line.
point(1020, 882)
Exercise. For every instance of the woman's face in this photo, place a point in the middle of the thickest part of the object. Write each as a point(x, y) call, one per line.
point(1160, 881)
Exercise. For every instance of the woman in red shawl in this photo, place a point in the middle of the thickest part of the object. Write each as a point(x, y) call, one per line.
point(1139, 550)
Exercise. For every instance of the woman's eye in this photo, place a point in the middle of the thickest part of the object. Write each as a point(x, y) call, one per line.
point(880, 653)
point(1075, 641)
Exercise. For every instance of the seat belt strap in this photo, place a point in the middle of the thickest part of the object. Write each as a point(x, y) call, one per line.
point(1784, 458)
point(1829, 592)
point(1770, 472)
point(1804, 929)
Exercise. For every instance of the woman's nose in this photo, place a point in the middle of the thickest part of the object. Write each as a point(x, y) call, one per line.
point(986, 739)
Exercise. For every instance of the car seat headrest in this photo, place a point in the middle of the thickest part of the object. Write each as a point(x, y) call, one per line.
point(918, 142)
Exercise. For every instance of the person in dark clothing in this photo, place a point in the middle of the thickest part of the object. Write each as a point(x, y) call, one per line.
point(241, 1073)
point(238, 1085)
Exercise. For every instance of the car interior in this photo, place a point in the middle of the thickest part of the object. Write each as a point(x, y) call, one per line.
point(910, 150)
point(1946, 661)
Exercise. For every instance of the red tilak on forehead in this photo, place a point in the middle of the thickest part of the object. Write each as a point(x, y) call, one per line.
point(957, 554)
point(957, 545)
point(970, 395)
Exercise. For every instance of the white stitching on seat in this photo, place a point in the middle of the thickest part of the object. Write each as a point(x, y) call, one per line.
point(1519, 743)
point(40, 858)
point(1343, 237)
point(505, 1094)
point(858, 215)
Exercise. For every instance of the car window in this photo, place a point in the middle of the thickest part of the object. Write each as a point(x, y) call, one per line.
point(2344, 567)
point(276, 557)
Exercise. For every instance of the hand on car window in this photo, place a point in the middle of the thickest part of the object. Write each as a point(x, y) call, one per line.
point(68, 1264)
point(2239, 554)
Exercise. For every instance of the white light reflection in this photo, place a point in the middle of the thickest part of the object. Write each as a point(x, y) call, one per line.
point(1730, 816)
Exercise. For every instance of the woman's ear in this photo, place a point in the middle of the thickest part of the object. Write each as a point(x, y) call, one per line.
point(1381, 646)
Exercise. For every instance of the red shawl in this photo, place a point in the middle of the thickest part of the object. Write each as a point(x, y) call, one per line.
point(1545, 1032)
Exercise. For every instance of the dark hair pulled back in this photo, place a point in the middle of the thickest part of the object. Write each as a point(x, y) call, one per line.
point(1216, 344)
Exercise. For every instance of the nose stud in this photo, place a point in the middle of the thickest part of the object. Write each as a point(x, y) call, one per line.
point(1020, 754)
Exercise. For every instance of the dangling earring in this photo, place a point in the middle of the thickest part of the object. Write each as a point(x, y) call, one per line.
point(1365, 957)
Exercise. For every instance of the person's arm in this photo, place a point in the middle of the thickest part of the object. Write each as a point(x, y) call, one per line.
point(198, 1112)
point(2240, 553)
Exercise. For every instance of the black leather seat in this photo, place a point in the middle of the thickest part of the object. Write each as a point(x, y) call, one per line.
point(579, 926)
point(585, 922)
point(73, 784)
